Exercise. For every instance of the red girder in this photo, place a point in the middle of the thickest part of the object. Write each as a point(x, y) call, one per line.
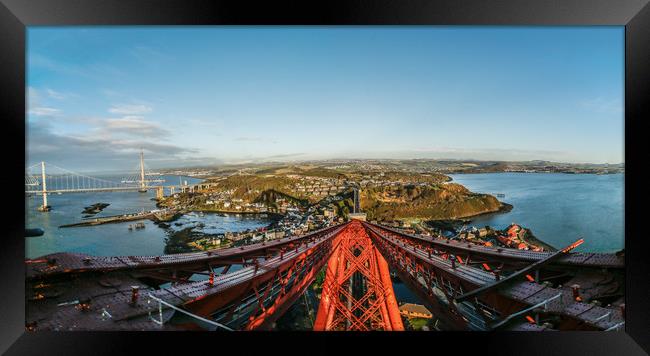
point(357, 291)
point(441, 280)
point(369, 306)
point(300, 264)
point(74, 263)
point(511, 257)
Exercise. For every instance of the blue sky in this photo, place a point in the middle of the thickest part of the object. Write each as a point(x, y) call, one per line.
point(210, 95)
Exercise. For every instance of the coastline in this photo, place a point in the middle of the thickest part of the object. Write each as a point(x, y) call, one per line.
point(532, 239)
point(226, 212)
point(459, 221)
point(504, 208)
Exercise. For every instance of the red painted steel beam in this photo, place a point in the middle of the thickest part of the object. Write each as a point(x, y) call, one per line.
point(507, 255)
point(73, 263)
point(346, 306)
point(391, 301)
point(440, 273)
point(325, 308)
point(303, 261)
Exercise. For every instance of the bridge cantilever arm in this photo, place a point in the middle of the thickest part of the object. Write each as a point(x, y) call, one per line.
point(522, 271)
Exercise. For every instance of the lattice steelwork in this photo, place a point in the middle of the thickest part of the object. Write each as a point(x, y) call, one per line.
point(357, 293)
point(457, 281)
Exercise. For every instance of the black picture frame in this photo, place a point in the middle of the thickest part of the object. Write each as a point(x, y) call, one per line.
point(15, 15)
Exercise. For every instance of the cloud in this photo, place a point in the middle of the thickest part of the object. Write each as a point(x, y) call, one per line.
point(130, 109)
point(280, 157)
point(55, 94)
point(208, 123)
point(88, 151)
point(285, 155)
point(44, 111)
point(33, 95)
point(254, 139)
point(33, 98)
point(134, 126)
point(58, 95)
point(36, 105)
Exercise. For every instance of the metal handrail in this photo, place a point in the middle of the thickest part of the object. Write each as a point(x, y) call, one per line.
point(616, 327)
point(160, 322)
point(509, 317)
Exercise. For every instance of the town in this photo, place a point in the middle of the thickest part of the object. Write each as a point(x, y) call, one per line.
point(303, 198)
point(443, 166)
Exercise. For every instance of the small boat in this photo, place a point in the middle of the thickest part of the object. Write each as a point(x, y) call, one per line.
point(34, 232)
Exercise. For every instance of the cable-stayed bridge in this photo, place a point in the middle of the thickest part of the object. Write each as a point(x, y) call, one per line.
point(46, 178)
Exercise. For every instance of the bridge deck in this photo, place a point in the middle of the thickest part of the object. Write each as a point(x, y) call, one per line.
point(584, 259)
point(528, 293)
point(66, 262)
point(111, 292)
point(107, 281)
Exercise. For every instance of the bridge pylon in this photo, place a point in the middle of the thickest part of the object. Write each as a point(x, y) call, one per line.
point(143, 183)
point(45, 207)
point(357, 292)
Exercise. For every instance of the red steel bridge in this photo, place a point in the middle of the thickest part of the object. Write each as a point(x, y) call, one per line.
point(465, 286)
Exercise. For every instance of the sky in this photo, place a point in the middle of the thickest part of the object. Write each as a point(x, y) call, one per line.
point(193, 96)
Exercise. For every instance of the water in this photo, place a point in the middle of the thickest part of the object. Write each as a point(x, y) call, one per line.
point(115, 239)
point(558, 208)
point(403, 294)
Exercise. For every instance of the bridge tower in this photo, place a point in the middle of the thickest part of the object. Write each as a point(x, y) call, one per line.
point(143, 186)
point(356, 209)
point(357, 292)
point(44, 207)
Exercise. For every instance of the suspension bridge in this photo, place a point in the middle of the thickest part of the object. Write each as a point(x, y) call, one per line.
point(45, 178)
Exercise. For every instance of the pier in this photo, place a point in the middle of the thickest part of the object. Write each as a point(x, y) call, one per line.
point(155, 215)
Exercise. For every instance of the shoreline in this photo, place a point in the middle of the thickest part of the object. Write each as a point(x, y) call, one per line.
point(533, 240)
point(504, 208)
point(226, 212)
point(452, 222)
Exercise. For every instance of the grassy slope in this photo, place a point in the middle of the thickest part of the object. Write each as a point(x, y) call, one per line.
point(434, 200)
point(445, 201)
